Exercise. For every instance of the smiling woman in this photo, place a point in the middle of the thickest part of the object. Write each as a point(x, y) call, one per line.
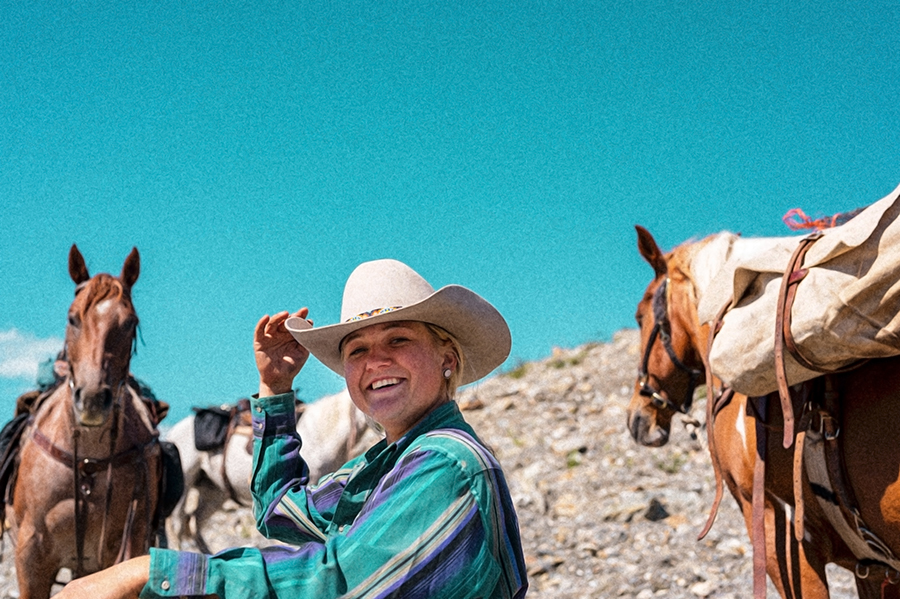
point(426, 512)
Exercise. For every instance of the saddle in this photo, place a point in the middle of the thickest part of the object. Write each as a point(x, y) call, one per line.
point(214, 425)
point(814, 435)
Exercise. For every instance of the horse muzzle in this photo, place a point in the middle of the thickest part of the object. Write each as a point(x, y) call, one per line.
point(645, 430)
point(92, 407)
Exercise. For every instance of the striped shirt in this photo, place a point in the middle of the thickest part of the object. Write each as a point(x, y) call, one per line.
point(427, 516)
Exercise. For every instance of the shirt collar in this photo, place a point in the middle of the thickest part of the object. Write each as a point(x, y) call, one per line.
point(446, 415)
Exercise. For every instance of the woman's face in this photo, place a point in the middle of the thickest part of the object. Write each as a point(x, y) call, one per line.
point(394, 373)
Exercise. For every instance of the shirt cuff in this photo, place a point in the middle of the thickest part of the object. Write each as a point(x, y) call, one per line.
point(274, 414)
point(175, 573)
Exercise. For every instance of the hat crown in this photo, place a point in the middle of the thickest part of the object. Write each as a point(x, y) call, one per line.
point(381, 286)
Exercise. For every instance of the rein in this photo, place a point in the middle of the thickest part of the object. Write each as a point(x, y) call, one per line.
point(662, 328)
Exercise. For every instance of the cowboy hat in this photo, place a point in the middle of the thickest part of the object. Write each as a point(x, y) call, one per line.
point(387, 291)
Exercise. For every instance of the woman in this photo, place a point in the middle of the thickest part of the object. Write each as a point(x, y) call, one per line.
point(424, 513)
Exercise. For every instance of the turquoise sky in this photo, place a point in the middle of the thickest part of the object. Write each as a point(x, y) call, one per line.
point(256, 153)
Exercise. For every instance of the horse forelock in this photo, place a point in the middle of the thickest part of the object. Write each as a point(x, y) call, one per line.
point(102, 287)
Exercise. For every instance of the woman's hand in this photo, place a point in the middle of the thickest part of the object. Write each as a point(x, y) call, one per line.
point(122, 581)
point(278, 355)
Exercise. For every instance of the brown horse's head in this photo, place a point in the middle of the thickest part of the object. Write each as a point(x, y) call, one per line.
point(99, 337)
point(671, 366)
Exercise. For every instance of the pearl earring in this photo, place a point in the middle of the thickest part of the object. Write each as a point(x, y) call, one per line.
point(447, 373)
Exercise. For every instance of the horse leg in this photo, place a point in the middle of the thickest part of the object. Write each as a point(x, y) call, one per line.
point(36, 567)
point(176, 525)
point(797, 569)
point(210, 499)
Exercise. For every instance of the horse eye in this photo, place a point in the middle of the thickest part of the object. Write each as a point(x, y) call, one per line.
point(73, 321)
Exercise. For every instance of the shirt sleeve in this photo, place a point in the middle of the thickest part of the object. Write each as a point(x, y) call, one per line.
point(423, 532)
point(285, 507)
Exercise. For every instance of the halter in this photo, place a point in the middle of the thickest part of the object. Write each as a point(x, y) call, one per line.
point(662, 329)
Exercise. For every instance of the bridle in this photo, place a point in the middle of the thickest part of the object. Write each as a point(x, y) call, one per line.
point(662, 329)
point(84, 470)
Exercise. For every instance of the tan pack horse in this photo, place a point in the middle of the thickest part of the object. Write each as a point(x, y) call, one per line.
point(86, 489)
point(849, 514)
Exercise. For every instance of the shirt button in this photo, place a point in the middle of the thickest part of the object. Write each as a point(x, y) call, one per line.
point(165, 585)
point(341, 528)
point(259, 409)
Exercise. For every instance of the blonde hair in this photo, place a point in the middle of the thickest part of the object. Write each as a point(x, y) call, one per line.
point(443, 337)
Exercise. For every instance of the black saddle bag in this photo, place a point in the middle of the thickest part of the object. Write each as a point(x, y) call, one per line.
point(211, 427)
point(172, 479)
point(9, 453)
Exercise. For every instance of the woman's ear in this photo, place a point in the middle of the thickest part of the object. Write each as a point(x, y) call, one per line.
point(450, 359)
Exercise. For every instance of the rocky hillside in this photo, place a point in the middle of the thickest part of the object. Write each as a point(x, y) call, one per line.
point(600, 516)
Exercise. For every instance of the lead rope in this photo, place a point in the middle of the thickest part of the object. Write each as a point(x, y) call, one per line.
point(79, 507)
point(713, 405)
point(113, 437)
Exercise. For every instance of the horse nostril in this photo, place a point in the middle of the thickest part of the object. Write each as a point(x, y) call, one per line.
point(634, 425)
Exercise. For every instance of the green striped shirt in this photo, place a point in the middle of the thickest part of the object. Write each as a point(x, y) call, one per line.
point(427, 516)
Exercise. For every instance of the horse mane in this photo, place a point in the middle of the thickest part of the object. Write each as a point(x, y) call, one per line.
point(700, 261)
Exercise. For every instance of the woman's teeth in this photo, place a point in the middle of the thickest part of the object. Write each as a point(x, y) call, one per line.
point(384, 383)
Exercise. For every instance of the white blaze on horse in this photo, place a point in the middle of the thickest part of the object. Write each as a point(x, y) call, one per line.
point(332, 430)
point(845, 503)
point(85, 492)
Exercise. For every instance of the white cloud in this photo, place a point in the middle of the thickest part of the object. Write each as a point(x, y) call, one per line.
point(21, 353)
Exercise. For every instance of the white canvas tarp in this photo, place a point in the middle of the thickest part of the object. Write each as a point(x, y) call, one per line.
point(847, 307)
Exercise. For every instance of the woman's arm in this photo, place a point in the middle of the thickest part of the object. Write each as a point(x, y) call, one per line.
point(122, 581)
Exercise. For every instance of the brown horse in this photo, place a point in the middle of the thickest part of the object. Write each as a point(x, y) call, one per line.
point(86, 489)
point(853, 415)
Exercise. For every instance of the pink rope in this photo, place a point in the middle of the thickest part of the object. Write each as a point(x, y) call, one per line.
point(796, 220)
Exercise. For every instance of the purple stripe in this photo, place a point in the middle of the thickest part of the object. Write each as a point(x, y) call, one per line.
point(404, 468)
point(276, 554)
point(443, 566)
point(326, 497)
point(191, 571)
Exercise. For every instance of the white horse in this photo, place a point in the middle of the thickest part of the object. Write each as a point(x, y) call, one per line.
point(333, 431)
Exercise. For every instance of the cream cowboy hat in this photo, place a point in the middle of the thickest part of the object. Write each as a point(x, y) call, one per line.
point(387, 291)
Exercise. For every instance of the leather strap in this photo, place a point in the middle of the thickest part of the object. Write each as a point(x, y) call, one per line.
point(758, 524)
point(88, 466)
point(792, 276)
point(714, 404)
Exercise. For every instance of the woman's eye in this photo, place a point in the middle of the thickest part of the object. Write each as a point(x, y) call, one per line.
point(398, 340)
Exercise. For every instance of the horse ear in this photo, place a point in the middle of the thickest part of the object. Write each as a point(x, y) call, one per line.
point(131, 269)
point(650, 251)
point(77, 268)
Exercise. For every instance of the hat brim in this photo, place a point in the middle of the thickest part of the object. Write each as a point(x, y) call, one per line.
point(480, 329)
